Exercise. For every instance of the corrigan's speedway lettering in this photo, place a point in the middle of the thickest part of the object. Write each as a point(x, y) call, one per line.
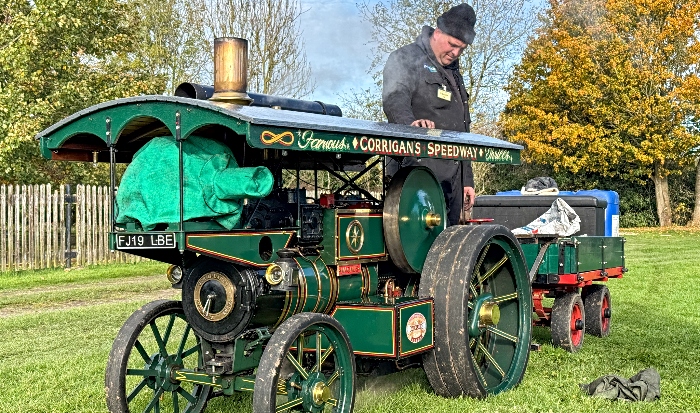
point(403, 148)
point(307, 140)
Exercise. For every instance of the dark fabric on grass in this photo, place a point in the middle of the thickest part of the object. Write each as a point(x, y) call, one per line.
point(645, 386)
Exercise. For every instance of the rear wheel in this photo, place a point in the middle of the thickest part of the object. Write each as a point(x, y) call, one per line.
point(307, 366)
point(568, 322)
point(598, 309)
point(483, 308)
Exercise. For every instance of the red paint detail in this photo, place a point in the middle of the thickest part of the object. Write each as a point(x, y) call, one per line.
point(327, 200)
point(604, 306)
point(349, 269)
point(479, 221)
point(576, 335)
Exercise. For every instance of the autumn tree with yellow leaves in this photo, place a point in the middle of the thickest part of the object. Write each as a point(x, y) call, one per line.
point(611, 87)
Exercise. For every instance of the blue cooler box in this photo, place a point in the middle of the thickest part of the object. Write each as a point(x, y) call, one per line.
point(612, 211)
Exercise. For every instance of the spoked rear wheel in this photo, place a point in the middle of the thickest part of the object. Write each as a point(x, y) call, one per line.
point(307, 366)
point(483, 310)
point(142, 367)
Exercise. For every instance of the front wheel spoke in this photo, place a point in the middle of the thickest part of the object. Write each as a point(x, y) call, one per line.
point(159, 339)
point(169, 328)
point(183, 341)
point(142, 351)
point(333, 378)
point(503, 334)
point(323, 358)
point(186, 395)
point(299, 368)
point(492, 360)
point(493, 269)
point(318, 352)
point(155, 402)
point(189, 352)
point(141, 372)
point(176, 404)
point(472, 342)
point(289, 404)
point(507, 297)
point(136, 391)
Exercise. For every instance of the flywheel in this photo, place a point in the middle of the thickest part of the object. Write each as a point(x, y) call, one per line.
point(414, 215)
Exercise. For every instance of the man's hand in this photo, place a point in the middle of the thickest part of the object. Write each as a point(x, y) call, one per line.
point(469, 197)
point(424, 123)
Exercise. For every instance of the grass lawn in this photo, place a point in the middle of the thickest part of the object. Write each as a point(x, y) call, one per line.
point(56, 329)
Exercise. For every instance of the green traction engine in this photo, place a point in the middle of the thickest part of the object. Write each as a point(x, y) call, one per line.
point(289, 290)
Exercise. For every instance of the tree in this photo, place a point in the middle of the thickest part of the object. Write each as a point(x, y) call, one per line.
point(55, 58)
point(277, 62)
point(171, 41)
point(608, 87)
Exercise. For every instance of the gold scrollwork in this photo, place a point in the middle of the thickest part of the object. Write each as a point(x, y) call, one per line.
point(268, 138)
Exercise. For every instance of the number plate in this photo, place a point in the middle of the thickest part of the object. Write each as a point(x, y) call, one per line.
point(142, 241)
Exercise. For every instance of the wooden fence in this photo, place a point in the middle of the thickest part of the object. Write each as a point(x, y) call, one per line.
point(44, 227)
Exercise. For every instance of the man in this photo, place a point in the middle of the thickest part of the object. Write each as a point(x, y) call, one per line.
point(423, 87)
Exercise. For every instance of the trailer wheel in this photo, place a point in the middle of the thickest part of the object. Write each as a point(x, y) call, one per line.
point(149, 348)
point(597, 306)
point(568, 322)
point(307, 365)
point(483, 309)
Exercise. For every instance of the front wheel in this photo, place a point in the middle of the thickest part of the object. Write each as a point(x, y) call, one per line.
point(483, 310)
point(151, 346)
point(307, 366)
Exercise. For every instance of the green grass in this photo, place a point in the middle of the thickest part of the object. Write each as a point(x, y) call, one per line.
point(53, 358)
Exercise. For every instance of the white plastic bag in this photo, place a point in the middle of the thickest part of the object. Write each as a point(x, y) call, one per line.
point(560, 219)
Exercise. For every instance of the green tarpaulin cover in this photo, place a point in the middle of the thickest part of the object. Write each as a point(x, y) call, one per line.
point(214, 184)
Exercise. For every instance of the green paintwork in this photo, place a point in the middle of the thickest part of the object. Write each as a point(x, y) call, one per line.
point(325, 141)
point(614, 252)
point(242, 247)
point(406, 311)
point(244, 383)
point(368, 235)
point(94, 123)
point(578, 254)
point(336, 236)
point(421, 194)
point(589, 253)
point(371, 328)
point(377, 325)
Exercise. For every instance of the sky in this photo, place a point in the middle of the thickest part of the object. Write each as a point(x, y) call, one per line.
point(338, 47)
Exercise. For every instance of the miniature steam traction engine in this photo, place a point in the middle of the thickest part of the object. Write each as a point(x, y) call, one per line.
point(287, 292)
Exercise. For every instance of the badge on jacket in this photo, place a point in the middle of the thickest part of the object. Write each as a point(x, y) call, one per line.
point(444, 93)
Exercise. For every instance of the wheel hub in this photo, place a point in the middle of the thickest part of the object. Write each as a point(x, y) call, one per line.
point(484, 313)
point(489, 314)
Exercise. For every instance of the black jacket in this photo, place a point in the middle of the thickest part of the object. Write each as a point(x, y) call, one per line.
point(412, 78)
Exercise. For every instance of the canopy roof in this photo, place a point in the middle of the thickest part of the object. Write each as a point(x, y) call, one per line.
point(127, 124)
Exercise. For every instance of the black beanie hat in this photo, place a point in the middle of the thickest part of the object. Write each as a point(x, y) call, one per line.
point(459, 22)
